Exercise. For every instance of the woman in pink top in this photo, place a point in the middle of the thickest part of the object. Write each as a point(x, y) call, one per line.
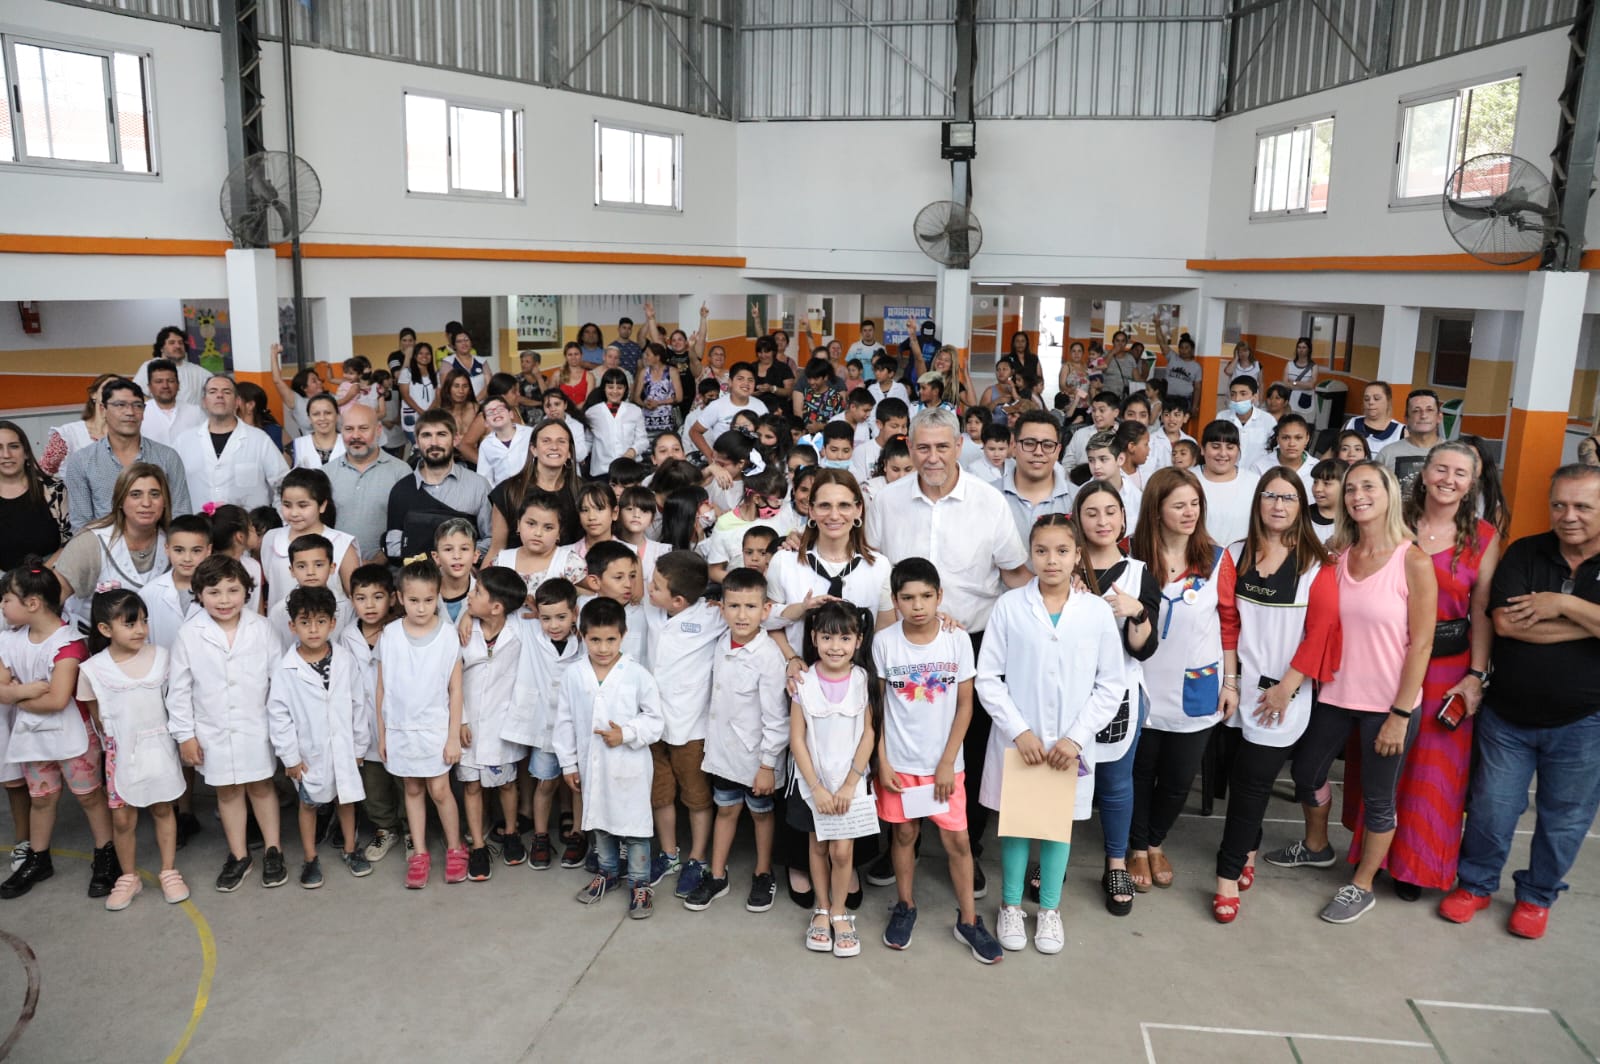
point(1388, 598)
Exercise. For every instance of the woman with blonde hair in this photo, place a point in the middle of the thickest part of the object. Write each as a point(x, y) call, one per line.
point(1388, 598)
point(124, 549)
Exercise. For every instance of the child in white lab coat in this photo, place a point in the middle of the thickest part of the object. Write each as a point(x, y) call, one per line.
point(927, 704)
point(418, 709)
point(548, 650)
point(608, 714)
point(747, 735)
point(307, 508)
point(317, 706)
point(123, 689)
point(169, 598)
point(372, 602)
point(613, 570)
point(489, 667)
point(310, 565)
point(1051, 674)
point(682, 632)
point(39, 659)
point(217, 705)
point(831, 734)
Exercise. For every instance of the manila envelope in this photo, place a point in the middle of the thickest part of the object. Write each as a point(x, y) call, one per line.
point(1036, 801)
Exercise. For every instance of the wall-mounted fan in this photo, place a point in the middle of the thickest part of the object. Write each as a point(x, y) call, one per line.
point(1500, 208)
point(948, 233)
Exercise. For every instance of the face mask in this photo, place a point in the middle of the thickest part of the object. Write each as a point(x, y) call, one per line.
point(835, 463)
point(1241, 407)
point(706, 520)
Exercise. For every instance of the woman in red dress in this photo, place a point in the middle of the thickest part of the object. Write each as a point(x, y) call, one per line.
point(1432, 798)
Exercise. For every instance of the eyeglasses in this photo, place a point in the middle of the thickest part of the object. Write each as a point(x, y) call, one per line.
point(130, 405)
point(1035, 445)
point(1286, 498)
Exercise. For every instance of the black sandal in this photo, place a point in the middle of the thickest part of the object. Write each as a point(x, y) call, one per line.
point(1117, 881)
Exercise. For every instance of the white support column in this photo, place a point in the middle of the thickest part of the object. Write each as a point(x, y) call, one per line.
point(1397, 351)
point(253, 308)
point(954, 309)
point(332, 333)
point(1541, 391)
point(1210, 317)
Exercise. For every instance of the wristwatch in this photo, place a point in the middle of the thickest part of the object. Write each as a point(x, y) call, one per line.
point(1481, 674)
point(1140, 617)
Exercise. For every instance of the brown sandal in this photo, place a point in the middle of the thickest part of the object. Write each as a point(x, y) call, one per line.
point(1160, 870)
point(1139, 872)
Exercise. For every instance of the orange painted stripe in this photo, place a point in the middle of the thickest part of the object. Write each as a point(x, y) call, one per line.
point(28, 244)
point(1365, 264)
point(1533, 450)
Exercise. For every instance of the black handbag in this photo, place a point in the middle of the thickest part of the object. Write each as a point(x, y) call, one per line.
point(1452, 637)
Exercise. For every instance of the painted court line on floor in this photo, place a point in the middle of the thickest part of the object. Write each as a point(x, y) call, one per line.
point(1290, 1036)
point(208, 960)
point(1523, 1009)
point(1295, 820)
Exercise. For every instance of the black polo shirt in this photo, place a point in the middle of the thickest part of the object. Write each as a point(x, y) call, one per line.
point(1543, 685)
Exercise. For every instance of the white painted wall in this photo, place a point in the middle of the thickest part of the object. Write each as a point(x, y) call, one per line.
point(1358, 220)
point(839, 198)
point(377, 317)
point(90, 323)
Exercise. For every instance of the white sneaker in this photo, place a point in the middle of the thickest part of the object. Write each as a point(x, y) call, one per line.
point(1012, 928)
point(382, 842)
point(19, 853)
point(1048, 934)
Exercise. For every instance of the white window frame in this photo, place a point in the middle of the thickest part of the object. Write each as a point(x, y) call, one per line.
point(451, 101)
point(1309, 125)
point(107, 52)
point(1443, 92)
point(639, 129)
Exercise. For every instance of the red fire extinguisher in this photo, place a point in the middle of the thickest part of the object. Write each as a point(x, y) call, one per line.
point(29, 311)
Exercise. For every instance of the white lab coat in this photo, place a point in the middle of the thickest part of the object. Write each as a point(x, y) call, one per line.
point(747, 728)
point(416, 699)
point(165, 604)
point(532, 718)
point(217, 693)
point(325, 730)
point(367, 659)
point(306, 456)
point(164, 426)
point(500, 461)
point(615, 781)
point(278, 619)
point(1061, 680)
point(489, 681)
point(248, 474)
point(192, 377)
point(276, 565)
point(133, 712)
point(614, 434)
point(58, 736)
point(680, 650)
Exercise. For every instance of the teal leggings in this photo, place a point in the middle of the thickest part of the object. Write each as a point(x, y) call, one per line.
point(1014, 870)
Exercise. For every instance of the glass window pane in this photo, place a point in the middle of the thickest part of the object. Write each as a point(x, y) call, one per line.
point(476, 150)
point(1263, 173)
point(1425, 157)
point(8, 153)
point(512, 125)
point(63, 104)
point(1295, 185)
point(427, 163)
point(1489, 118)
point(1321, 166)
point(133, 121)
point(616, 165)
point(659, 170)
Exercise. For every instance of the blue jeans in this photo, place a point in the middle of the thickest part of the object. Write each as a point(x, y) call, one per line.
point(1113, 792)
point(1567, 760)
point(605, 848)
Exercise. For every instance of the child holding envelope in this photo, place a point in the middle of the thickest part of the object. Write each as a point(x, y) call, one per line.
point(1051, 674)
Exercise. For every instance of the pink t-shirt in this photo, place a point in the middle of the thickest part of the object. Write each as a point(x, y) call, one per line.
point(1374, 616)
point(834, 690)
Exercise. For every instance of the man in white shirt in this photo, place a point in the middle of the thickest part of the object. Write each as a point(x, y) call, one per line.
point(172, 344)
point(1229, 494)
point(1294, 436)
point(952, 519)
point(867, 349)
point(225, 460)
point(164, 417)
point(1033, 483)
point(1255, 425)
point(1102, 418)
point(718, 415)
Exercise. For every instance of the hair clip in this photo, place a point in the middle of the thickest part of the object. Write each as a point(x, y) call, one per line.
point(209, 509)
point(415, 558)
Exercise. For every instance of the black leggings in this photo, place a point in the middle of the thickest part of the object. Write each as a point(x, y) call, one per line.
point(1325, 737)
point(973, 748)
point(1164, 765)
point(1255, 769)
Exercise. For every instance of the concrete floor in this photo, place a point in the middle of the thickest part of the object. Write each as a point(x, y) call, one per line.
point(515, 970)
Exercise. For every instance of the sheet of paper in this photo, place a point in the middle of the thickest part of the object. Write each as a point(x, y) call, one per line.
point(1036, 801)
point(919, 802)
point(860, 821)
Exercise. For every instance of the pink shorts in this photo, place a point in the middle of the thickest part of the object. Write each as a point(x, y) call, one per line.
point(953, 819)
point(82, 773)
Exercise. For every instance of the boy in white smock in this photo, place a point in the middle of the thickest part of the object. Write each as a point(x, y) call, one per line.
point(489, 667)
point(169, 598)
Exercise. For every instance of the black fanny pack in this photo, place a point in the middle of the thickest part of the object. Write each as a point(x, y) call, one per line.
point(1452, 637)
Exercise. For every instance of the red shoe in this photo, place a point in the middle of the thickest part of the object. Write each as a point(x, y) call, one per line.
point(455, 865)
point(1528, 920)
point(1224, 909)
point(418, 865)
point(1247, 877)
point(1461, 905)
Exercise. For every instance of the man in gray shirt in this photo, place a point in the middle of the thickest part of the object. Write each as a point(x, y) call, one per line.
point(362, 478)
point(1406, 457)
point(90, 473)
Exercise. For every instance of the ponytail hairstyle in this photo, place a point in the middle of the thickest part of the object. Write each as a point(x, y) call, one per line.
point(33, 579)
point(844, 618)
point(108, 606)
point(735, 446)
